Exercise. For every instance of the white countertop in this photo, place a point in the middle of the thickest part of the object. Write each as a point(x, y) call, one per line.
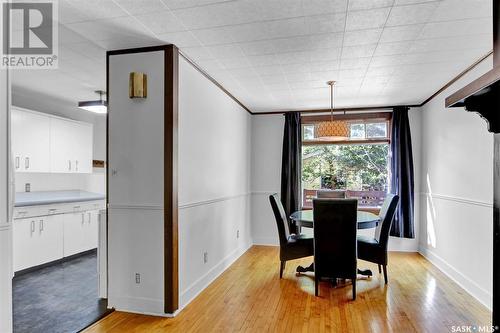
point(52, 197)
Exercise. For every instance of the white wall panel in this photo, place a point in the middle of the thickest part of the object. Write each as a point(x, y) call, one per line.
point(136, 194)
point(5, 222)
point(214, 181)
point(457, 192)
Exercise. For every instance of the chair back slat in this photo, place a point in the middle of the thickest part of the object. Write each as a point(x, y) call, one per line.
point(331, 194)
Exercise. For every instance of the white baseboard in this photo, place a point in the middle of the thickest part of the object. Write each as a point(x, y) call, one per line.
point(463, 281)
point(140, 305)
point(270, 241)
point(191, 292)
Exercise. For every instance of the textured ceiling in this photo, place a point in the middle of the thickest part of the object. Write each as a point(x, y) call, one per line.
point(278, 54)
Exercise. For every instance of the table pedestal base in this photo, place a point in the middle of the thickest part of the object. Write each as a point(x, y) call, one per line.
point(310, 268)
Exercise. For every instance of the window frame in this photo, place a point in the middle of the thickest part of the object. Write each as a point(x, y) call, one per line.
point(376, 117)
point(357, 118)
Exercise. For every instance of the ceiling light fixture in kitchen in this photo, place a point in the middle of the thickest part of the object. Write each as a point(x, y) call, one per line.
point(99, 106)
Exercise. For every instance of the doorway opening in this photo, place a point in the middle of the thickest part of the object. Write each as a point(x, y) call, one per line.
point(59, 220)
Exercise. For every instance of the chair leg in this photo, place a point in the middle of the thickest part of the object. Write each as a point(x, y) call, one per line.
point(354, 288)
point(316, 286)
point(379, 269)
point(385, 273)
point(282, 268)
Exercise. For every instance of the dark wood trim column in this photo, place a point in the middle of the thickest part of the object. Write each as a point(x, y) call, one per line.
point(171, 160)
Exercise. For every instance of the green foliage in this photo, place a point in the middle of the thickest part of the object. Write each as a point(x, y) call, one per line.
point(355, 167)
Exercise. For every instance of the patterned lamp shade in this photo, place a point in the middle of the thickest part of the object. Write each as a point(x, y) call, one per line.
point(332, 130)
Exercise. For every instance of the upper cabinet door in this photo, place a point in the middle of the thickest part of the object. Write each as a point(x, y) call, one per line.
point(30, 141)
point(62, 141)
point(71, 146)
point(83, 148)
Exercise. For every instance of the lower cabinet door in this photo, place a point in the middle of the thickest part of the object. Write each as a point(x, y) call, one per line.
point(92, 229)
point(74, 233)
point(50, 243)
point(25, 239)
point(37, 241)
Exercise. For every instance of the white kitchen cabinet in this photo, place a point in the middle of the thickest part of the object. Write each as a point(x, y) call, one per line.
point(71, 146)
point(74, 233)
point(92, 230)
point(81, 231)
point(45, 143)
point(37, 241)
point(30, 141)
point(46, 233)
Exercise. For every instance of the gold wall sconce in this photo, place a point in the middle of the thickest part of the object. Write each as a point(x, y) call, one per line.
point(138, 85)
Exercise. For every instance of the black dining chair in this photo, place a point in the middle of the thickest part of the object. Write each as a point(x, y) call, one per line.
point(335, 228)
point(374, 249)
point(292, 246)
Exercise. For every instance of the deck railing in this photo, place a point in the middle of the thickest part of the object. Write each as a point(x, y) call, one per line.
point(366, 199)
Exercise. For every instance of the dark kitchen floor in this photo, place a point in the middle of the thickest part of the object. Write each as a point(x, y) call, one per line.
point(59, 298)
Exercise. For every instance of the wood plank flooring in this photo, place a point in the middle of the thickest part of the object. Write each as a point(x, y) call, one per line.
point(250, 297)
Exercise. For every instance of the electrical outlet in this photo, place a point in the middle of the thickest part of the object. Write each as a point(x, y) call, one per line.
point(205, 257)
point(27, 187)
point(137, 278)
point(237, 234)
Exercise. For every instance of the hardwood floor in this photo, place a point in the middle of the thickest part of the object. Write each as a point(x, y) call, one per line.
point(250, 297)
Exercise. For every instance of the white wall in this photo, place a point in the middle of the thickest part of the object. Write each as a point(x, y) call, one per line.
point(136, 193)
point(267, 145)
point(457, 192)
point(267, 141)
point(5, 223)
point(214, 181)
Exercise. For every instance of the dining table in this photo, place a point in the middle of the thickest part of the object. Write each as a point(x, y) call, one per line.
point(305, 218)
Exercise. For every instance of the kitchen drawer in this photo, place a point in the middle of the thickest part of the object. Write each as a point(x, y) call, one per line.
point(62, 208)
point(24, 212)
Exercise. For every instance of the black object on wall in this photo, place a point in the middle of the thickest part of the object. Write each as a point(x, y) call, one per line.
point(402, 183)
point(290, 164)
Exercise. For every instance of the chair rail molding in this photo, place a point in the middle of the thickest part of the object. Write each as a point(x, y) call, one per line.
point(458, 199)
point(212, 201)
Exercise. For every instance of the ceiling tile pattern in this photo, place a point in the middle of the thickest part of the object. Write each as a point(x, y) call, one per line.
point(278, 54)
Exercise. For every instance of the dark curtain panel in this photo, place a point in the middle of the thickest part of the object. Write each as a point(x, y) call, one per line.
point(402, 173)
point(290, 163)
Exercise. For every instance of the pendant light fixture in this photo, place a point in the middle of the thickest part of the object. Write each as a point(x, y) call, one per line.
point(333, 130)
point(99, 106)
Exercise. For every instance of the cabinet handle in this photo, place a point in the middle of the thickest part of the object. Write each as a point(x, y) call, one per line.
point(69, 165)
point(27, 162)
point(32, 226)
point(89, 217)
point(76, 165)
point(52, 211)
point(17, 162)
point(41, 225)
point(83, 218)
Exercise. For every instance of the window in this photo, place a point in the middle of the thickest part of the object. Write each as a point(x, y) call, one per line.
point(308, 132)
point(370, 130)
point(352, 156)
